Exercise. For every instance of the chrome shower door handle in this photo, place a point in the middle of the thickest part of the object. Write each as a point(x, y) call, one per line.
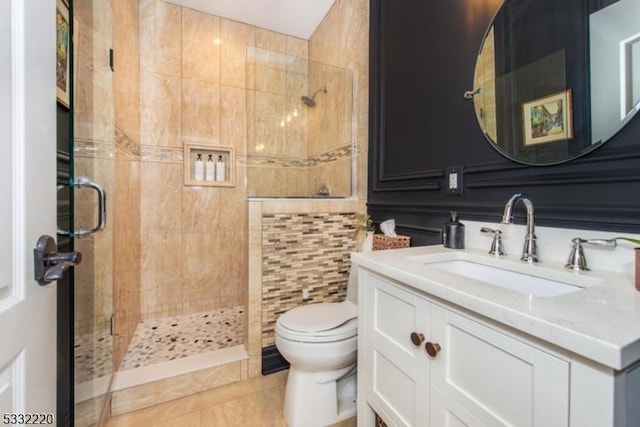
point(83, 182)
point(49, 265)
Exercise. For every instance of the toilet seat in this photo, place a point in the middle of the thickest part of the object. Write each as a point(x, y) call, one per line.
point(324, 322)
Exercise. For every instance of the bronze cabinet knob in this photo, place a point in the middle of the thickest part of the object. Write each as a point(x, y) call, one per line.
point(417, 338)
point(432, 348)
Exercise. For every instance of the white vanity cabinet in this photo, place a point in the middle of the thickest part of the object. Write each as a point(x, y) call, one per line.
point(424, 362)
point(484, 377)
point(395, 372)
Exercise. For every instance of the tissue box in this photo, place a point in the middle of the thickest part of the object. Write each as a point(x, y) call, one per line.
point(381, 241)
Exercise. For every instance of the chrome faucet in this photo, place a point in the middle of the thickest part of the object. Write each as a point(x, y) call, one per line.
point(577, 261)
point(529, 251)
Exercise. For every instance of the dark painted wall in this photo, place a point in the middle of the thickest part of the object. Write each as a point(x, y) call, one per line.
point(422, 60)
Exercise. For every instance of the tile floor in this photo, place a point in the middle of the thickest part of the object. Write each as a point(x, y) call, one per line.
point(169, 338)
point(253, 403)
point(92, 356)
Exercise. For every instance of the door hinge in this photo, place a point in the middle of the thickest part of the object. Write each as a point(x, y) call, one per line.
point(113, 324)
point(111, 60)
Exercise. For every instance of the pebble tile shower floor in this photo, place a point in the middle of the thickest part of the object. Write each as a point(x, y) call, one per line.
point(170, 338)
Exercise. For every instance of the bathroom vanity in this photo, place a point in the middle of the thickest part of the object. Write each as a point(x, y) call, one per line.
point(462, 338)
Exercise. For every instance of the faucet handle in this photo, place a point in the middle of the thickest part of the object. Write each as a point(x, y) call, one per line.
point(497, 248)
point(577, 260)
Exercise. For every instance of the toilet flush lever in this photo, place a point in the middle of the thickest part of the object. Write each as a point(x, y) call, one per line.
point(49, 265)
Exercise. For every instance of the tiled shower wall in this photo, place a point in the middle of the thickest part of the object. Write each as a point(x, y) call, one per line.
point(193, 89)
point(193, 74)
point(342, 40)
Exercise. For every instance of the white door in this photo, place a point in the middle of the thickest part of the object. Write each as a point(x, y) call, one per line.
point(27, 209)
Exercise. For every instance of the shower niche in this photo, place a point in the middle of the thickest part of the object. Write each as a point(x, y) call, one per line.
point(299, 127)
point(209, 165)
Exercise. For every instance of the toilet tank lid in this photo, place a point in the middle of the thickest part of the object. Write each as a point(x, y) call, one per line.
point(319, 317)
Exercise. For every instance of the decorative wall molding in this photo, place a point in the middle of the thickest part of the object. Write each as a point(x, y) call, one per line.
point(596, 191)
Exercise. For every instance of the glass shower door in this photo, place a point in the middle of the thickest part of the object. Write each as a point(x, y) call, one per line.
point(93, 162)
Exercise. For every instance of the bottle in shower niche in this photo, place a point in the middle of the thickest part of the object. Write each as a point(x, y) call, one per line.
point(210, 169)
point(199, 168)
point(453, 233)
point(221, 172)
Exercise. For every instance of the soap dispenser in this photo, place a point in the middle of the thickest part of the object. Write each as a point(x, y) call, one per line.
point(210, 168)
point(199, 168)
point(453, 233)
point(220, 170)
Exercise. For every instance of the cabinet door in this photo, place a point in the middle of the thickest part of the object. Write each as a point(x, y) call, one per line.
point(396, 370)
point(483, 377)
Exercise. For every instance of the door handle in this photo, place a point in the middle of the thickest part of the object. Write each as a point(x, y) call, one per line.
point(49, 265)
point(82, 182)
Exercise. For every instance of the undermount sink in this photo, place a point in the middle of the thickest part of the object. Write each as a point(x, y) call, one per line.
point(533, 280)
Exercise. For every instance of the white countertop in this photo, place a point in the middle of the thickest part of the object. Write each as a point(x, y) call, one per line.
point(600, 322)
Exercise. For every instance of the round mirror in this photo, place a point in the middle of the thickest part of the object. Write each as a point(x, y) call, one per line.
point(555, 79)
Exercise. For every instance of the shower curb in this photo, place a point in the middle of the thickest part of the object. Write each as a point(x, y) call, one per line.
point(140, 388)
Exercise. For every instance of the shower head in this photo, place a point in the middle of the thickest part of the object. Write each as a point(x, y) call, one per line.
point(310, 100)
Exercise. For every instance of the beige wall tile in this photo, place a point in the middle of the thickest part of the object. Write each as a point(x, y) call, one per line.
point(160, 37)
point(160, 198)
point(237, 32)
point(126, 27)
point(200, 111)
point(233, 56)
point(203, 275)
point(235, 37)
point(201, 208)
point(200, 46)
point(161, 271)
point(126, 94)
point(270, 122)
point(94, 19)
point(271, 76)
point(297, 47)
point(233, 121)
point(160, 110)
point(271, 40)
point(94, 112)
point(341, 40)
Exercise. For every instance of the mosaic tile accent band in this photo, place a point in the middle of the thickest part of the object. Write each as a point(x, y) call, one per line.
point(91, 148)
point(127, 145)
point(130, 149)
point(284, 161)
point(303, 251)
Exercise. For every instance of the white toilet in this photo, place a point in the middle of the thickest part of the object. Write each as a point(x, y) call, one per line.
point(320, 343)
